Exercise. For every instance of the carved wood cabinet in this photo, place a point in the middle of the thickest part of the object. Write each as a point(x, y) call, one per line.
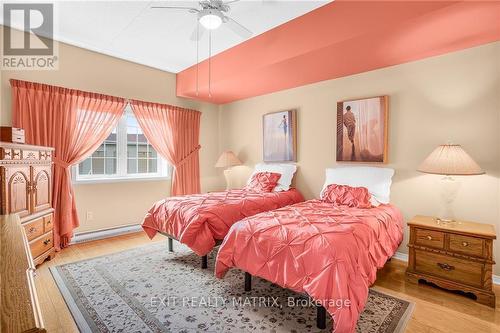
point(26, 190)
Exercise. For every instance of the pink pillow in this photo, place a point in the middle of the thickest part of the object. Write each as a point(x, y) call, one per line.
point(343, 195)
point(263, 182)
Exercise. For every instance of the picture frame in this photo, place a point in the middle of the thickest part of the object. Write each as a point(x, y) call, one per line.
point(362, 130)
point(280, 136)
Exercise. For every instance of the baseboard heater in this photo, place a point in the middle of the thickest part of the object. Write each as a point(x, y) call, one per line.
point(104, 233)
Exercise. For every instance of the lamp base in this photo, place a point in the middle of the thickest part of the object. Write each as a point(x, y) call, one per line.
point(449, 187)
point(227, 175)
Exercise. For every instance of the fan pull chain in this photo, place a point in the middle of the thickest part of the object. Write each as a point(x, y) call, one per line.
point(210, 63)
point(197, 55)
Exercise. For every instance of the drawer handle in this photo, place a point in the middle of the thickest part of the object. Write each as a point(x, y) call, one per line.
point(47, 241)
point(446, 267)
point(33, 271)
point(429, 238)
point(49, 221)
point(465, 244)
point(32, 230)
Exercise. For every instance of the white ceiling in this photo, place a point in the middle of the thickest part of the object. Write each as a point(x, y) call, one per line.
point(160, 38)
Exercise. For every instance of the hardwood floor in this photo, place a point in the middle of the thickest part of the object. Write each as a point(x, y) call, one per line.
point(435, 310)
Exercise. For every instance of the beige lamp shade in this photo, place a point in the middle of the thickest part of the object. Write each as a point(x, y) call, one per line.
point(450, 160)
point(227, 159)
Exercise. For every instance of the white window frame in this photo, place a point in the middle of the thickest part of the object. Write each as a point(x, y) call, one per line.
point(164, 169)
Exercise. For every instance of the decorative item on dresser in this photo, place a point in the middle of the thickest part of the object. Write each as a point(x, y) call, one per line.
point(19, 308)
point(455, 256)
point(26, 190)
point(11, 134)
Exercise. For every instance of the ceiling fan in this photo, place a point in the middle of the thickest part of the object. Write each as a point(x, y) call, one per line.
point(211, 15)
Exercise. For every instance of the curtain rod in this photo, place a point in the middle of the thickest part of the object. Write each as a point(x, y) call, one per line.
point(127, 100)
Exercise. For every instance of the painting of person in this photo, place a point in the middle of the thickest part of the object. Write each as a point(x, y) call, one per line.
point(362, 130)
point(350, 124)
point(279, 136)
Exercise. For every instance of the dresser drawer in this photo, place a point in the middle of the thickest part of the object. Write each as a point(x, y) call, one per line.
point(449, 268)
point(429, 238)
point(41, 245)
point(467, 245)
point(34, 229)
point(48, 223)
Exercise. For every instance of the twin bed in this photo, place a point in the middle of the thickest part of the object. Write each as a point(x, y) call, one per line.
point(202, 221)
point(328, 248)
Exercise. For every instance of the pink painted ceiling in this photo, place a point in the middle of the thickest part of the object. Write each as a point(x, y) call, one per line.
point(340, 39)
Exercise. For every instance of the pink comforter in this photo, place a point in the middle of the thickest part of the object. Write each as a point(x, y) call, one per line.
point(331, 253)
point(198, 220)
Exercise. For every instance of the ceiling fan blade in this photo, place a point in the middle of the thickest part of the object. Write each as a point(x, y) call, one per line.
point(190, 9)
point(197, 33)
point(268, 2)
point(237, 28)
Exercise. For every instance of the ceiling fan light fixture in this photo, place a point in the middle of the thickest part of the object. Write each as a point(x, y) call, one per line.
point(210, 19)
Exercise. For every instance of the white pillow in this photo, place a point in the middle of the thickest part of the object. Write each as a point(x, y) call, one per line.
point(377, 180)
point(286, 170)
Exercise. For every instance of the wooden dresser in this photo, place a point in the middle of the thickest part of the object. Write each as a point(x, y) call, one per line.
point(26, 190)
point(19, 307)
point(454, 256)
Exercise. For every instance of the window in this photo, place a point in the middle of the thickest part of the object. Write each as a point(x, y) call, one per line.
point(103, 161)
point(125, 154)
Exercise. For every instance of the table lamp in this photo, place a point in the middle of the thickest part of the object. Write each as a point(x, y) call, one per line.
point(227, 160)
point(449, 160)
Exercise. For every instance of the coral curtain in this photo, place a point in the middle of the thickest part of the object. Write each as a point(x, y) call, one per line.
point(75, 123)
point(175, 134)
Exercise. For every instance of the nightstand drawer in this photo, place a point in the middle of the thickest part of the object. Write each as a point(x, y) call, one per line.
point(429, 238)
point(34, 229)
point(468, 245)
point(450, 268)
point(41, 245)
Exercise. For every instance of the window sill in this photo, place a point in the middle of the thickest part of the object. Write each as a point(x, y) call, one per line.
point(120, 180)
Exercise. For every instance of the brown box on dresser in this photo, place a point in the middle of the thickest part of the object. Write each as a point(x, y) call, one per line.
point(26, 190)
point(454, 255)
point(11, 134)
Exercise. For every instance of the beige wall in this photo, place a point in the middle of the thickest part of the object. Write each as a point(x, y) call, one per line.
point(454, 97)
point(124, 203)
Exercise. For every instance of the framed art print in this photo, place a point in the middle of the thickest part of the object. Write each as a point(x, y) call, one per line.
point(280, 136)
point(362, 127)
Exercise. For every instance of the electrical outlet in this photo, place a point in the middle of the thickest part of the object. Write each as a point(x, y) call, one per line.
point(90, 216)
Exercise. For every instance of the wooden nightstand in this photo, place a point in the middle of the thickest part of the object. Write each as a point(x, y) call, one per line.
point(455, 256)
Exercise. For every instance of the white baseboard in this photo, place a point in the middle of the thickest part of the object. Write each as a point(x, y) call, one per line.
point(105, 233)
point(404, 257)
point(401, 256)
